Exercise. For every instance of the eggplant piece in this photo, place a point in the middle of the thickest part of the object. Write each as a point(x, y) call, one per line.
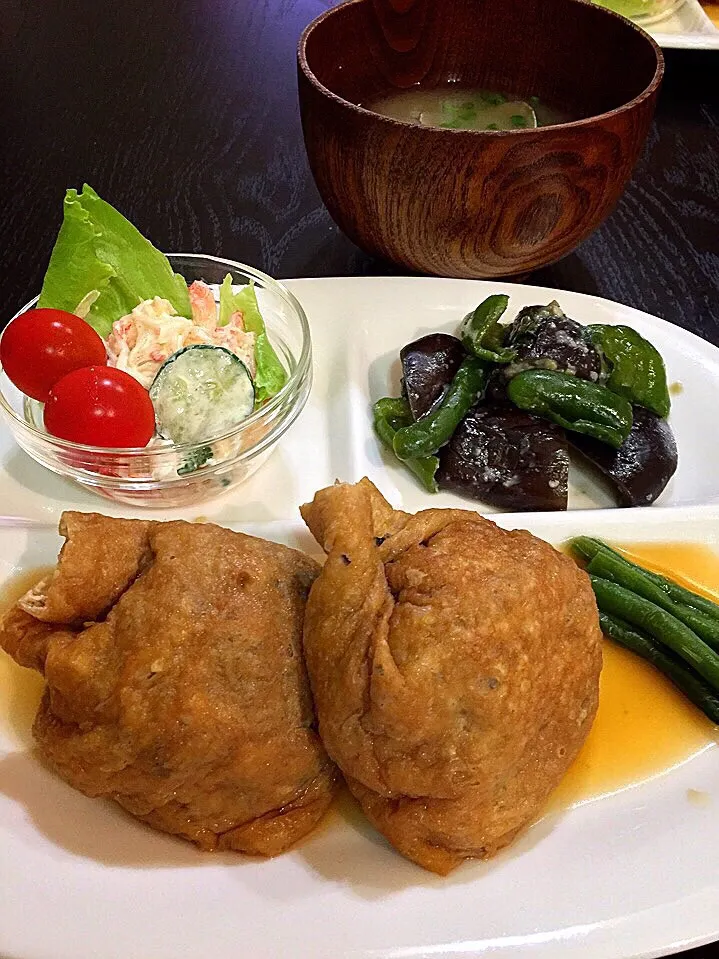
point(507, 458)
point(642, 466)
point(545, 338)
point(428, 367)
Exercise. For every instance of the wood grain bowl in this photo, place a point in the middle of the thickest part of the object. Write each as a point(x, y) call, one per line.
point(466, 203)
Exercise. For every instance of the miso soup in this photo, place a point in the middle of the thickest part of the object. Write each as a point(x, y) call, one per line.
point(467, 109)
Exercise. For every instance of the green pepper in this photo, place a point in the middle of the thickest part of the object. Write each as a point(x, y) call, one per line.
point(430, 432)
point(483, 335)
point(637, 369)
point(573, 403)
point(391, 414)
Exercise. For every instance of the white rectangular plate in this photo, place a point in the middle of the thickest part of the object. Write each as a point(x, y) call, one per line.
point(358, 327)
point(632, 874)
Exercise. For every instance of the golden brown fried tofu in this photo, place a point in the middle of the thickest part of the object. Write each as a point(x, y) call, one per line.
point(175, 679)
point(455, 670)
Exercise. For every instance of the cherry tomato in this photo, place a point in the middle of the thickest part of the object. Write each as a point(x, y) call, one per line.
point(100, 406)
point(41, 346)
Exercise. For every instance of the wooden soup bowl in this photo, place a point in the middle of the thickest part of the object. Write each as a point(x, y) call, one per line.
point(465, 203)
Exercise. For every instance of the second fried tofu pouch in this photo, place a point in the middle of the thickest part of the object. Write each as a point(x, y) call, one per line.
point(455, 670)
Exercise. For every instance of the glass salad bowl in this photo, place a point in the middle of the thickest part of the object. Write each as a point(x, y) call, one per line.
point(164, 474)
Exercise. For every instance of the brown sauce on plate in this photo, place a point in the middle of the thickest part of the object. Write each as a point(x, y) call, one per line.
point(20, 688)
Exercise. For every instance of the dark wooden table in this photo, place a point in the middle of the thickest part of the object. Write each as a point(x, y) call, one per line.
point(183, 114)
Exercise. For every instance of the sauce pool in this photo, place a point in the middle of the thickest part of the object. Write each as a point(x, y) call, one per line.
point(20, 688)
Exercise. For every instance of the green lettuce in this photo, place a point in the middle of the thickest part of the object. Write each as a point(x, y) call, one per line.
point(101, 261)
point(271, 375)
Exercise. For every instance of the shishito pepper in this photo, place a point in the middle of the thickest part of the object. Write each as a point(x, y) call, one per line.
point(637, 369)
point(573, 403)
point(483, 335)
point(425, 436)
point(391, 414)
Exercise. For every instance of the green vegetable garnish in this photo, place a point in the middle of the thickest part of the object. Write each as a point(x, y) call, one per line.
point(573, 403)
point(587, 548)
point(458, 116)
point(494, 99)
point(492, 126)
point(518, 121)
point(696, 689)
point(670, 626)
point(391, 414)
point(481, 332)
point(432, 431)
point(100, 260)
point(667, 629)
point(195, 460)
point(637, 369)
point(271, 375)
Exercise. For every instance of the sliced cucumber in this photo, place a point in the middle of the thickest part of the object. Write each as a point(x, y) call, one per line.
point(201, 392)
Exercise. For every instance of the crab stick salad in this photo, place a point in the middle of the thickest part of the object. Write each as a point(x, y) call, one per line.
point(123, 353)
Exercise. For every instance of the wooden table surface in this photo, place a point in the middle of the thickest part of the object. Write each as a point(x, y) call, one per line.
point(184, 116)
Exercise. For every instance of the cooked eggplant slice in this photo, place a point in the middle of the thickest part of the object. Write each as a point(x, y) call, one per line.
point(507, 458)
point(545, 338)
point(642, 466)
point(428, 367)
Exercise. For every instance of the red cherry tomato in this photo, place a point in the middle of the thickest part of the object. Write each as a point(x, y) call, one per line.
point(41, 346)
point(100, 406)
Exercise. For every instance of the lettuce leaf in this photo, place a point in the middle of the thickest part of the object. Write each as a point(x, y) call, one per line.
point(271, 375)
point(98, 251)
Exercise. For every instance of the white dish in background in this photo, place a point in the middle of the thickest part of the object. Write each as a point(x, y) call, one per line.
point(358, 327)
point(624, 876)
point(688, 28)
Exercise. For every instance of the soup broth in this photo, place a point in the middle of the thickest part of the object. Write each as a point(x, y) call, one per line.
point(467, 109)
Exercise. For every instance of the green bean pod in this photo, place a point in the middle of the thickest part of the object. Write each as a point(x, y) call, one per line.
point(637, 368)
point(483, 335)
point(430, 432)
point(587, 548)
point(573, 403)
point(389, 415)
point(683, 677)
point(610, 566)
point(662, 626)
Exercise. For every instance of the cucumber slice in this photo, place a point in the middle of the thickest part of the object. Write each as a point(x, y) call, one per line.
point(201, 392)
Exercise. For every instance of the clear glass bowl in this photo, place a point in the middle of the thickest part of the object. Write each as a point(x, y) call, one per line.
point(166, 475)
point(643, 12)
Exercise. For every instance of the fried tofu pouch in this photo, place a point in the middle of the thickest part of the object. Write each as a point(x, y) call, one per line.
point(175, 679)
point(454, 666)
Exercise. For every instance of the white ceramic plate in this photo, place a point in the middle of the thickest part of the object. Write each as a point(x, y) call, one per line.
point(628, 875)
point(358, 327)
point(689, 28)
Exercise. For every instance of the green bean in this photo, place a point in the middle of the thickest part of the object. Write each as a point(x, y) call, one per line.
point(391, 414)
point(637, 368)
point(610, 566)
point(483, 335)
point(587, 547)
point(573, 403)
point(430, 432)
point(667, 629)
point(683, 677)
